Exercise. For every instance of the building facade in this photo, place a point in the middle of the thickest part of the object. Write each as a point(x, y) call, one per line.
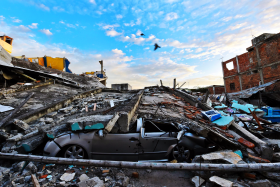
point(216, 89)
point(121, 87)
point(259, 65)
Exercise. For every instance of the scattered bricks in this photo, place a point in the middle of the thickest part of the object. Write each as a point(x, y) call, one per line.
point(249, 176)
point(21, 124)
point(135, 175)
point(246, 143)
point(190, 116)
point(106, 171)
point(258, 159)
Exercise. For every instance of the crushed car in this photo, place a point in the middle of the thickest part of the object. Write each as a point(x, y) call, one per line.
point(153, 140)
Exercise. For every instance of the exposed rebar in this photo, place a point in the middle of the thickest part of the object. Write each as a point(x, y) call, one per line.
point(145, 165)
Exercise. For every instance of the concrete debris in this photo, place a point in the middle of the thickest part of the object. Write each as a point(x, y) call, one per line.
point(21, 124)
point(260, 183)
point(220, 181)
point(67, 177)
point(83, 177)
point(225, 131)
point(198, 181)
point(228, 156)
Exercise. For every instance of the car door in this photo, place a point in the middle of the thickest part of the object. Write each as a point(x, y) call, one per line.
point(154, 145)
point(119, 147)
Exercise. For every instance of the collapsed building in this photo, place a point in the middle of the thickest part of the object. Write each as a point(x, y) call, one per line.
point(47, 114)
point(258, 66)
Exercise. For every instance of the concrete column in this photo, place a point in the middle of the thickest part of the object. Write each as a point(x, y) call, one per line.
point(259, 64)
point(238, 71)
point(224, 78)
point(174, 84)
point(101, 62)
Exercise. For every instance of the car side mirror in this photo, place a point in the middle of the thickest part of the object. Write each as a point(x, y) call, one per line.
point(101, 134)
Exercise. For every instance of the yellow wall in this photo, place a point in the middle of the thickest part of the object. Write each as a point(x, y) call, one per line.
point(6, 46)
point(55, 63)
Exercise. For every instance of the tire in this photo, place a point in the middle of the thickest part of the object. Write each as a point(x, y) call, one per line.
point(74, 151)
point(180, 154)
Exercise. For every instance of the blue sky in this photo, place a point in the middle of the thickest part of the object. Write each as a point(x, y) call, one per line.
point(193, 35)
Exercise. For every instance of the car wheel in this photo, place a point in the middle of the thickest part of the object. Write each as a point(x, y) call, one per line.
point(181, 154)
point(74, 151)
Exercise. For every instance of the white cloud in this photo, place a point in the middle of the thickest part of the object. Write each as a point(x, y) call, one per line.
point(68, 24)
point(109, 26)
point(161, 12)
point(118, 52)
point(171, 16)
point(132, 39)
point(237, 26)
point(199, 50)
point(59, 9)
point(171, 1)
point(16, 20)
point(46, 32)
point(226, 19)
point(44, 7)
point(92, 1)
point(119, 16)
point(138, 33)
point(138, 22)
point(182, 51)
point(21, 28)
point(112, 33)
point(146, 48)
point(180, 28)
point(33, 26)
point(2, 17)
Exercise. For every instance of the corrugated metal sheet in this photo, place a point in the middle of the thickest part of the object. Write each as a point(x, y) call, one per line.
point(5, 57)
point(249, 92)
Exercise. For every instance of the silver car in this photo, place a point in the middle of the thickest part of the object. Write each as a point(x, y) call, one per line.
point(152, 140)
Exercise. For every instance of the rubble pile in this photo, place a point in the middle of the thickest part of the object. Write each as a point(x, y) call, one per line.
point(56, 117)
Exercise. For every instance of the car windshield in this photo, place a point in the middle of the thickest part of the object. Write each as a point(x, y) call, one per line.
point(154, 126)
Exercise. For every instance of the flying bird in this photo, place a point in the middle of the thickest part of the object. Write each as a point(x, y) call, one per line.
point(156, 46)
point(142, 34)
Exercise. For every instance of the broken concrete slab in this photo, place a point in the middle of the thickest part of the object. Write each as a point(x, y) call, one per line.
point(198, 181)
point(220, 181)
point(83, 177)
point(112, 122)
point(21, 124)
point(260, 183)
point(46, 120)
point(32, 143)
point(67, 177)
point(95, 181)
point(228, 156)
point(15, 138)
point(52, 114)
point(65, 110)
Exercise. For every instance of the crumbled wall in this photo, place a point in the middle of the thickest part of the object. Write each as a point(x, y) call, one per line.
point(218, 90)
point(249, 70)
